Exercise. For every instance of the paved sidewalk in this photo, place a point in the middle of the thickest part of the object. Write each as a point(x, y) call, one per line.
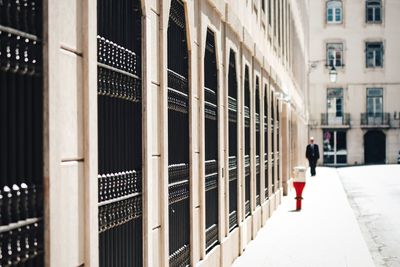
point(324, 233)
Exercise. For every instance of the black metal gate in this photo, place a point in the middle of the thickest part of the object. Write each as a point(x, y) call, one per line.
point(258, 143)
point(233, 148)
point(211, 141)
point(247, 167)
point(21, 136)
point(178, 138)
point(272, 143)
point(119, 133)
point(266, 107)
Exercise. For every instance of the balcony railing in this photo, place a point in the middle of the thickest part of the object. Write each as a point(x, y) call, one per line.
point(334, 119)
point(394, 122)
point(375, 119)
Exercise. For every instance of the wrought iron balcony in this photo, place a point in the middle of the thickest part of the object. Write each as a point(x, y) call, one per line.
point(375, 119)
point(334, 119)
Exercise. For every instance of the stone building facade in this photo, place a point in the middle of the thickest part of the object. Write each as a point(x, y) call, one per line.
point(355, 119)
point(170, 127)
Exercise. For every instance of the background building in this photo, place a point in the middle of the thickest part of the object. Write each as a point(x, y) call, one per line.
point(357, 118)
point(152, 133)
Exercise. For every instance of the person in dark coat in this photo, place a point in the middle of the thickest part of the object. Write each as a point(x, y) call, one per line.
point(312, 154)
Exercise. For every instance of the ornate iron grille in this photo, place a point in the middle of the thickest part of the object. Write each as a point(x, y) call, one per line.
point(258, 144)
point(273, 142)
point(119, 133)
point(211, 141)
point(278, 133)
point(233, 116)
point(21, 138)
point(178, 138)
point(266, 107)
point(247, 167)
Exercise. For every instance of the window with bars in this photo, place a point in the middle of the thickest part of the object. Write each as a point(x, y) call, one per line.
point(334, 11)
point(272, 125)
point(266, 139)
point(178, 137)
point(279, 21)
point(373, 11)
point(278, 140)
point(119, 132)
point(21, 134)
point(211, 140)
point(374, 54)
point(284, 23)
point(269, 12)
point(247, 165)
point(258, 142)
point(233, 141)
point(334, 54)
point(275, 17)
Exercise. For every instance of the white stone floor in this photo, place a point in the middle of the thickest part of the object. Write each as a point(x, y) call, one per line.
point(324, 233)
point(374, 194)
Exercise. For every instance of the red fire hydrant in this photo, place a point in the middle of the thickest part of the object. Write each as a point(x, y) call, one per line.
point(299, 182)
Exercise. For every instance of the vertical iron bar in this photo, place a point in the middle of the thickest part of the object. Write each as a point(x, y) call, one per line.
point(3, 136)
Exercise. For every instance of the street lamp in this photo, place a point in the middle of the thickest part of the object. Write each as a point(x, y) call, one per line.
point(333, 74)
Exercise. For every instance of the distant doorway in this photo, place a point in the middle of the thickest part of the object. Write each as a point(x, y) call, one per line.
point(374, 147)
point(335, 147)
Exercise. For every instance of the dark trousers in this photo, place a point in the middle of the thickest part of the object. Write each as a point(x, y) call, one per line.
point(313, 164)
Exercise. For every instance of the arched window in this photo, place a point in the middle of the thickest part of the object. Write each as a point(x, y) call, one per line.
point(266, 108)
point(211, 140)
point(247, 166)
point(233, 148)
point(270, 12)
point(272, 123)
point(21, 136)
point(278, 148)
point(373, 11)
point(334, 11)
point(119, 132)
point(178, 137)
point(258, 139)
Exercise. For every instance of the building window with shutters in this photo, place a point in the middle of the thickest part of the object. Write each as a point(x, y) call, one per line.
point(373, 12)
point(334, 54)
point(334, 12)
point(374, 54)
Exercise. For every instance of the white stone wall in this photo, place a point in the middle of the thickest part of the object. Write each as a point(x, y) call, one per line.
point(71, 121)
point(354, 77)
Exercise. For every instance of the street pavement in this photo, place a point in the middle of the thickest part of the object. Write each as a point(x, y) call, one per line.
point(324, 233)
point(374, 194)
